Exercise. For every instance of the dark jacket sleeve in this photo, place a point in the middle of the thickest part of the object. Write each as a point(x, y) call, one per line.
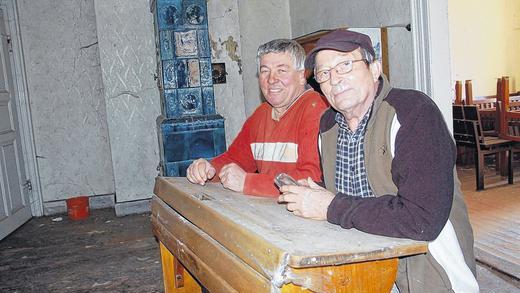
point(422, 170)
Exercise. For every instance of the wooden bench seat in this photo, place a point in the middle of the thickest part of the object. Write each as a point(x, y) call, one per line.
point(468, 133)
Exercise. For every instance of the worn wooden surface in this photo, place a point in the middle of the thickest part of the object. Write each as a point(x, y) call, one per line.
point(188, 285)
point(103, 253)
point(261, 222)
point(495, 217)
point(204, 257)
point(264, 236)
point(221, 271)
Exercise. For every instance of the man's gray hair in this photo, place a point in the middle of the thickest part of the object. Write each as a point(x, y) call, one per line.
point(294, 49)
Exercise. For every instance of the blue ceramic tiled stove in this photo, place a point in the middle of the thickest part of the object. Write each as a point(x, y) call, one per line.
point(189, 128)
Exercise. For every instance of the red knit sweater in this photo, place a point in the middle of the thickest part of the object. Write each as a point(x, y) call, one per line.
point(265, 147)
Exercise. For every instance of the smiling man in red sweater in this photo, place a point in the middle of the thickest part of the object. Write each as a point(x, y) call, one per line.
point(280, 136)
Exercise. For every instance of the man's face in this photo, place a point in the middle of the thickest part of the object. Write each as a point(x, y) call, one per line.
point(352, 92)
point(279, 81)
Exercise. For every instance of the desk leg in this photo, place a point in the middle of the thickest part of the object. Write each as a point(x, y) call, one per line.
point(372, 276)
point(176, 278)
point(501, 163)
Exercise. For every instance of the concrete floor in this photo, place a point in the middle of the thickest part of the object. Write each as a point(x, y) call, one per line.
point(105, 253)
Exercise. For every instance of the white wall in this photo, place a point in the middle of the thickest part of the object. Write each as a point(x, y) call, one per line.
point(66, 97)
point(226, 46)
point(260, 22)
point(74, 80)
point(484, 50)
point(128, 63)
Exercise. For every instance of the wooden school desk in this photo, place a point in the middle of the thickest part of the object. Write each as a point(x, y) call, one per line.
point(230, 242)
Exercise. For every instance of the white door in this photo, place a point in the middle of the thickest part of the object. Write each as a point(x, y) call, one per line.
point(14, 194)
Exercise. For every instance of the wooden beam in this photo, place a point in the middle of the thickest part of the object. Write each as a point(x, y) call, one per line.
point(384, 52)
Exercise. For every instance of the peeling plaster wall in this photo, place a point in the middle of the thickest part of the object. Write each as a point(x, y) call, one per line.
point(66, 97)
point(260, 22)
point(226, 47)
point(308, 16)
point(128, 63)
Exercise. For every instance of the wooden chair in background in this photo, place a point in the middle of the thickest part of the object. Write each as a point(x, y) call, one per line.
point(458, 112)
point(468, 134)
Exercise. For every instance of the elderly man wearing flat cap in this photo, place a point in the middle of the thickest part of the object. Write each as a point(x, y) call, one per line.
point(388, 166)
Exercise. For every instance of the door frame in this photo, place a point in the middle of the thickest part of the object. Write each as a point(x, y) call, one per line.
point(23, 107)
point(431, 50)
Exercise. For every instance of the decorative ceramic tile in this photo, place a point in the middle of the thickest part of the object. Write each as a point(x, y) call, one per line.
point(170, 14)
point(171, 104)
point(208, 104)
point(192, 129)
point(174, 144)
point(186, 43)
point(193, 72)
point(201, 144)
point(219, 140)
point(204, 46)
point(205, 72)
point(166, 42)
point(190, 101)
point(169, 76)
point(194, 13)
point(181, 70)
point(171, 169)
point(177, 169)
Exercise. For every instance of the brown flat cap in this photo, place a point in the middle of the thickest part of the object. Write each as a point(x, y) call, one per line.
point(340, 40)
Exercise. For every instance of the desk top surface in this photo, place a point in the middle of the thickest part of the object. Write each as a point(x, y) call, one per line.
point(231, 218)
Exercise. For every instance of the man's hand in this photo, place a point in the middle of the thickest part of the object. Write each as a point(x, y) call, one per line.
point(310, 201)
point(200, 171)
point(233, 177)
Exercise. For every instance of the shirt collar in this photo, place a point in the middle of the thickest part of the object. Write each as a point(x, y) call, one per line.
point(342, 123)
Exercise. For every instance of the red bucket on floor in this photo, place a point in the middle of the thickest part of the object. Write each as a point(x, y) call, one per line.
point(78, 208)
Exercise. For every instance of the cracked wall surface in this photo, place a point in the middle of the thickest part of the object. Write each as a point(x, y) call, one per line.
point(128, 64)
point(260, 22)
point(225, 39)
point(66, 97)
point(90, 67)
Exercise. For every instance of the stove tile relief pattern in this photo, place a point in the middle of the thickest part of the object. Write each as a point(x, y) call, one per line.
point(189, 127)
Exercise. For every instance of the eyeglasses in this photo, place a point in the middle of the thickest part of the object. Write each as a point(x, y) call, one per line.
point(343, 67)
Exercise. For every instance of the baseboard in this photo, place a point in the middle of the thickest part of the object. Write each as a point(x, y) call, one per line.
point(95, 202)
point(132, 207)
point(101, 202)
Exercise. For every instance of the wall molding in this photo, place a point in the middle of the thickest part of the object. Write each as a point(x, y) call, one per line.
point(95, 202)
point(432, 52)
point(132, 207)
point(421, 45)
